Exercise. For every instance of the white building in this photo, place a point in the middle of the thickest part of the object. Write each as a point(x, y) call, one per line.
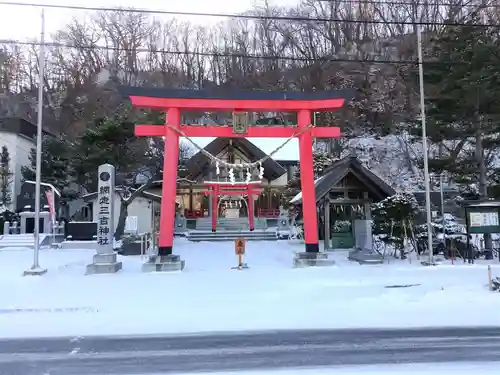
point(140, 211)
point(19, 136)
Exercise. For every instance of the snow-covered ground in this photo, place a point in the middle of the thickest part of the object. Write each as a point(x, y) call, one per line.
point(424, 369)
point(209, 296)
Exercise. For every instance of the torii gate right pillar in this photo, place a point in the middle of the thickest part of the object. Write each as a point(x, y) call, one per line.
point(307, 184)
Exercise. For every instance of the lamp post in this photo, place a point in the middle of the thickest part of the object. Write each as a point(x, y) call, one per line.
point(424, 147)
point(35, 268)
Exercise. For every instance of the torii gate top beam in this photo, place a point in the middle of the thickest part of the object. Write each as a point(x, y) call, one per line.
point(227, 131)
point(161, 99)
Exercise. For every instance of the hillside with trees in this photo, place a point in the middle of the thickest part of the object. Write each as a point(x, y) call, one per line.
point(370, 47)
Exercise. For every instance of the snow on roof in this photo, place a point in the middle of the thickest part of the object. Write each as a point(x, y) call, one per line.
point(289, 152)
point(299, 195)
point(485, 204)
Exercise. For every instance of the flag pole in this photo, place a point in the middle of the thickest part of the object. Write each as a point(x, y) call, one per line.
point(35, 268)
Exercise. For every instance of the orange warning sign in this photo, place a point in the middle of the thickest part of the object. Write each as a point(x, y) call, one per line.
point(239, 246)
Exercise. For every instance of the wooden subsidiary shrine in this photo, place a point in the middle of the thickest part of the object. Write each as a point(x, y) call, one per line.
point(344, 195)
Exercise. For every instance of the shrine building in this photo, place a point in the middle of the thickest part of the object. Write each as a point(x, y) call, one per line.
point(232, 210)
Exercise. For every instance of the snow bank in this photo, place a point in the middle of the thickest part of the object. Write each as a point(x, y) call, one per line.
point(209, 296)
point(491, 368)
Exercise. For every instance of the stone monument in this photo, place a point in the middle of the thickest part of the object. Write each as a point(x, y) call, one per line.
point(363, 234)
point(283, 222)
point(180, 224)
point(28, 214)
point(364, 253)
point(105, 259)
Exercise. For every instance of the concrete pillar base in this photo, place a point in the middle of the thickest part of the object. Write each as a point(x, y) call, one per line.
point(307, 259)
point(166, 263)
point(35, 272)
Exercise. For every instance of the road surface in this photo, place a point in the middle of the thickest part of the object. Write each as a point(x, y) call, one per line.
point(245, 351)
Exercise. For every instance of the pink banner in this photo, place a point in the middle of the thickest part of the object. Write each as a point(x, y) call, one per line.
point(50, 201)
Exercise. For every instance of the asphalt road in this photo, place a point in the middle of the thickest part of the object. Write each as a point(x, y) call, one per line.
point(245, 351)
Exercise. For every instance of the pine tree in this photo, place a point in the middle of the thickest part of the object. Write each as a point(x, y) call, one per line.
point(394, 219)
point(56, 166)
point(109, 140)
point(462, 82)
point(5, 177)
point(321, 162)
point(463, 104)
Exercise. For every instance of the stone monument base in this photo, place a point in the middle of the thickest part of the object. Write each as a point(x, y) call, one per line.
point(80, 245)
point(104, 263)
point(312, 260)
point(165, 263)
point(35, 272)
point(426, 263)
point(365, 256)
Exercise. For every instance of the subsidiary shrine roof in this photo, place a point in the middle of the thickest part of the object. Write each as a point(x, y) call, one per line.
point(340, 169)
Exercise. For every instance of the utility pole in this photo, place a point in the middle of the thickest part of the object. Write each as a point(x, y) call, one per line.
point(35, 269)
point(424, 147)
point(443, 221)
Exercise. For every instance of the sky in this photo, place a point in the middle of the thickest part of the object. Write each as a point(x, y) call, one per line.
point(24, 23)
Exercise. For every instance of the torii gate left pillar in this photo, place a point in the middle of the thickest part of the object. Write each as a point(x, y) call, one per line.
point(173, 101)
point(169, 185)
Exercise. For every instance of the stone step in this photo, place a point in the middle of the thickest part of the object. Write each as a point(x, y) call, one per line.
point(209, 226)
point(224, 220)
point(229, 224)
point(22, 240)
point(220, 239)
point(232, 232)
point(234, 236)
point(231, 235)
point(233, 228)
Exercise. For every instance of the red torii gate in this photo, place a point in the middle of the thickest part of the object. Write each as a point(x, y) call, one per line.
point(218, 189)
point(173, 101)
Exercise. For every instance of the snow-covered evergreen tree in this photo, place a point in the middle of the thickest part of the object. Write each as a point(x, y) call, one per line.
point(321, 162)
point(394, 218)
point(5, 177)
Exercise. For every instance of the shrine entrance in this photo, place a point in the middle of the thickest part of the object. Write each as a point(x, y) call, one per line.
point(216, 191)
point(232, 207)
point(173, 101)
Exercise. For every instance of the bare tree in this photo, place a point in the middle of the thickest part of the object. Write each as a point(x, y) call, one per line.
point(265, 54)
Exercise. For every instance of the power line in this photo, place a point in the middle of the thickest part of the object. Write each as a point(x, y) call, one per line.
point(241, 16)
point(403, 3)
point(227, 54)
